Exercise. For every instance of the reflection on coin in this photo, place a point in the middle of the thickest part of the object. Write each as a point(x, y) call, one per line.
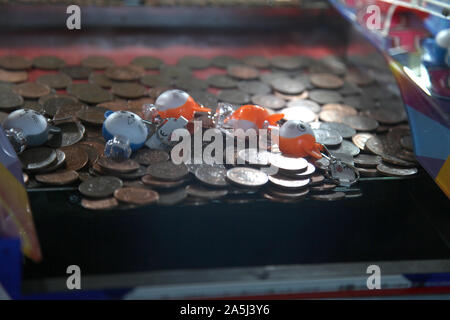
point(212, 176)
point(138, 196)
point(148, 156)
point(48, 63)
point(101, 204)
point(299, 113)
point(77, 72)
point(247, 177)
point(31, 90)
point(303, 103)
point(344, 130)
point(76, 157)
point(367, 160)
point(361, 138)
point(326, 81)
point(34, 159)
point(147, 62)
point(58, 178)
point(13, 76)
point(329, 138)
point(360, 123)
point(268, 101)
point(294, 165)
point(124, 166)
point(71, 133)
point(198, 191)
point(55, 80)
point(284, 182)
point(168, 171)
point(334, 196)
point(97, 62)
point(395, 171)
point(100, 187)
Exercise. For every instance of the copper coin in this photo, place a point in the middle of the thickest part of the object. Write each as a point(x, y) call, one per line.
point(147, 156)
point(147, 62)
point(55, 80)
point(58, 163)
point(31, 90)
point(125, 73)
point(100, 187)
point(97, 62)
point(128, 90)
point(76, 157)
point(89, 93)
point(58, 178)
point(288, 194)
point(92, 115)
point(101, 204)
point(395, 171)
point(198, 191)
point(99, 146)
point(333, 196)
point(161, 184)
point(268, 101)
point(13, 76)
point(361, 138)
point(243, 72)
point(48, 63)
point(124, 166)
point(11, 62)
point(93, 154)
point(10, 100)
point(138, 196)
point(77, 72)
point(168, 171)
point(326, 81)
point(101, 80)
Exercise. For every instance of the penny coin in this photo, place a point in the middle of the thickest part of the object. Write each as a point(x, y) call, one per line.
point(100, 204)
point(128, 90)
point(242, 72)
point(361, 123)
point(326, 81)
point(11, 62)
point(198, 191)
point(92, 115)
point(148, 156)
point(89, 93)
point(286, 63)
point(346, 147)
point(268, 101)
point(276, 198)
point(76, 157)
point(124, 73)
point(344, 130)
point(224, 61)
point(288, 183)
point(303, 103)
point(71, 133)
point(57, 178)
point(329, 138)
point(170, 198)
point(290, 164)
point(138, 196)
point(100, 187)
point(147, 62)
point(55, 80)
point(287, 86)
point(168, 171)
point(35, 159)
point(77, 72)
point(31, 90)
point(48, 63)
point(333, 196)
point(395, 171)
point(361, 138)
point(254, 87)
point(367, 160)
point(212, 175)
point(97, 62)
point(332, 115)
point(257, 62)
point(98, 146)
point(92, 153)
point(222, 81)
point(13, 76)
point(190, 84)
point(234, 96)
point(247, 177)
point(299, 113)
point(10, 100)
point(325, 96)
point(194, 62)
point(124, 166)
point(161, 184)
point(172, 71)
point(52, 103)
point(205, 98)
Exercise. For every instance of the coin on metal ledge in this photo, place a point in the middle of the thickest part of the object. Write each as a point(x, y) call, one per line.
point(76, 157)
point(168, 171)
point(124, 166)
point(137, 196)
point(31, 90)
point(212, 175)
point(100, 187)
point(58, 178)
point(333, 196)
point(198, 191)
point(100, 204)
point(395, 171)
point(35, 159)
point(13, 76)
point(247, 177)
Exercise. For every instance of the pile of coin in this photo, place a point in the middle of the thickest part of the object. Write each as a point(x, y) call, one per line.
point(357, 117)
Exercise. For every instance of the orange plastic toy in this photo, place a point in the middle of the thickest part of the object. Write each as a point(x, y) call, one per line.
point(177, 103)
point(297, 139)
point(252, 117)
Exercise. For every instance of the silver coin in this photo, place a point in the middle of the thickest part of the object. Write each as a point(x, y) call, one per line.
point(330, 138)
point(344, 130)
point(311, 105)
point(247, 177)
point(346, 147)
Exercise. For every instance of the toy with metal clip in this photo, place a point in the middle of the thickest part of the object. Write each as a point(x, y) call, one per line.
point(342, 173)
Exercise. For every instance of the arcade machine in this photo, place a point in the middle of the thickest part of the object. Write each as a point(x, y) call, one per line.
point(346, 176)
